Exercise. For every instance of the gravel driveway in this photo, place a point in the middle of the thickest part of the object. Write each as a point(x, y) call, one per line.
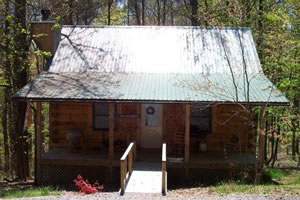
point(171, 195)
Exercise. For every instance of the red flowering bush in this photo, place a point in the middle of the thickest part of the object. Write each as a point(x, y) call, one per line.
point(87, 188)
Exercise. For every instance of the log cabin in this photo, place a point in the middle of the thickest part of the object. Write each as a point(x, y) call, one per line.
point(181, 97)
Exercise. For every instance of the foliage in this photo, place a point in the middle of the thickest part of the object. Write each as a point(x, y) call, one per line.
point(275, 173)
point(118, 16)
point(87, 188)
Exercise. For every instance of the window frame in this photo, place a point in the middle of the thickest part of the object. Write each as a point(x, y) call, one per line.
point(94, 117)
point(209, 117)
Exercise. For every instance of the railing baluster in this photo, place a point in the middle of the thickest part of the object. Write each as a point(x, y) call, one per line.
point(164, 169)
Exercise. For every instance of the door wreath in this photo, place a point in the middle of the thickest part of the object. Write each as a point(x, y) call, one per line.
point(150, 110)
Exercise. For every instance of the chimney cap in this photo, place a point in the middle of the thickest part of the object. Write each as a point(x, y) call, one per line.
point(45, 12)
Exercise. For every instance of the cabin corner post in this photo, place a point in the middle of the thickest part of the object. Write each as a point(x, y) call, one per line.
point(261, 147)
point(111, 140)
point(187, 140)
point(38, 143)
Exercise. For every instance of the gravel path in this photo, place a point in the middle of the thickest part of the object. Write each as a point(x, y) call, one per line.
point(171, 195)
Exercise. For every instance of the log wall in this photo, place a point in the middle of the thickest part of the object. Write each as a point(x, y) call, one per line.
point(80, 115)
point(226, 121)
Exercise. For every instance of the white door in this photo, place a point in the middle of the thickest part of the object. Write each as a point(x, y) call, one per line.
point(151, 126)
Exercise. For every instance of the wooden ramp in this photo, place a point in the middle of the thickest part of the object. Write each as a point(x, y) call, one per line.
point(146, 177)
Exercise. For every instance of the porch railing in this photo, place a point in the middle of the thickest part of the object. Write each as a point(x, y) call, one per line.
point(126, 164)
point(164, 169)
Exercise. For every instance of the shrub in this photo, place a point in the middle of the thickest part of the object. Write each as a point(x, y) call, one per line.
point(87, 188)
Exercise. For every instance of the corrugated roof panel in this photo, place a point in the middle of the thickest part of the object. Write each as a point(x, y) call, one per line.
point(154, 50)
point(148, 87)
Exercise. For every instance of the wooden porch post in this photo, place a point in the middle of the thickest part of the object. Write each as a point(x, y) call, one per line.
point(111, 140)
point(187, 140)
point(261, 147)
point(38, 143)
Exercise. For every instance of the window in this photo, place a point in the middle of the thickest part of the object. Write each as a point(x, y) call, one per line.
point(101, 116)
point(200, 119)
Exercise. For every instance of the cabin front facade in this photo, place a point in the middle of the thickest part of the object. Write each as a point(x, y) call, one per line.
point(182, 97)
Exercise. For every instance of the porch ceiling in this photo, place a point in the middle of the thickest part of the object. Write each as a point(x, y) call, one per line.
point(146, 87)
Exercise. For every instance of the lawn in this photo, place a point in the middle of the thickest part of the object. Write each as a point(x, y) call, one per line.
point(281, 182)
point(29, 191)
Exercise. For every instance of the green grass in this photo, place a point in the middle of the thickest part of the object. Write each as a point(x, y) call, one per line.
point(287, 182)
point(28, 192)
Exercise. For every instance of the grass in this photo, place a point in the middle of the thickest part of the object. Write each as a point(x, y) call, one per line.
point(17, 192)
point(287, 183)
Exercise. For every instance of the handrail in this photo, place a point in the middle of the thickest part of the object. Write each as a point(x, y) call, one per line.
point(126, 162)
point(164, 169)
point(125, 154)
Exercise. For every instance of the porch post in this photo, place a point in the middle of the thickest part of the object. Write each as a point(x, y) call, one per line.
point(38, 143)
point(261, 147)
point(187, 140)
point(111, 140)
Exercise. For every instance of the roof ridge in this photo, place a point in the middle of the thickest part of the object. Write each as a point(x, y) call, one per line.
point(153, 26)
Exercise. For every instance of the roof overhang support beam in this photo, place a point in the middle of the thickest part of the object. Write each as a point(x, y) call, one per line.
point(187, 140)
point(111, 140)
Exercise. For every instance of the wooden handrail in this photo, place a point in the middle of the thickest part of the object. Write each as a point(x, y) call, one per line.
point(126, 163)
point(164, 169)
point(129, 148)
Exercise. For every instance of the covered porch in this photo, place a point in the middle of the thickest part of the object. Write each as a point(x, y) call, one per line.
point(103, 162)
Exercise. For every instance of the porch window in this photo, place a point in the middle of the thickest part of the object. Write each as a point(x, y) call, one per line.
point(200, 119)
point(101, 116)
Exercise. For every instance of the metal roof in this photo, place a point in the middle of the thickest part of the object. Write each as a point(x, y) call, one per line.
point(144, 87)
point(155, 49)
point(157, 64)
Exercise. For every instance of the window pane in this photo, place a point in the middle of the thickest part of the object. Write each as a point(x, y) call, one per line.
point(101, 108)
point(200, 111)
point(101, 122)
point(200, 120)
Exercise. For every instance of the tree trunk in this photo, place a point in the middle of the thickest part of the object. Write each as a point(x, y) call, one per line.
point(276, 146)
point(297, 145)
point(4, 115)
point(20, 67)
point(128, 12)
point(164, 12)
point(143, 13)
point(266, 142)
point(293, 139)
point(158, 12)
point(70, 14)
point(5, 131)
point(109, 4)
point(137, 12)
point(172, 13)
point(272, 139)
point(260, 40)
point(194, 12)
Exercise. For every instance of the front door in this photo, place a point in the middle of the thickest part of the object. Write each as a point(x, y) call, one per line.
point(151, 126)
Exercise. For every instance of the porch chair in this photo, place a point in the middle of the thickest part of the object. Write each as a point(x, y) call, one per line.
point(74, 136)
point(230, 146)
point(179, 142)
